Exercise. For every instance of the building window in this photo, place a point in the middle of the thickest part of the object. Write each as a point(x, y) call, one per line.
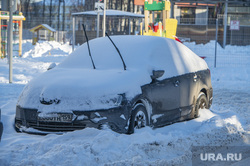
point(187, 15)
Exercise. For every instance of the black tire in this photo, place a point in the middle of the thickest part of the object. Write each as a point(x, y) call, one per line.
point(138, 119)
point(201, 103)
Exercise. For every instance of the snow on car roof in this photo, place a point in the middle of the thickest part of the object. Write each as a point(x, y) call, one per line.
point(139, 52)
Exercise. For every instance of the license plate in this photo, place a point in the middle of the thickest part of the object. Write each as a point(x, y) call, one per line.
point(56, 118)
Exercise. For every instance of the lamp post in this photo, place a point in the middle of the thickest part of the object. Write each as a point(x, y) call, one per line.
point(104, 20)
point(10, 40)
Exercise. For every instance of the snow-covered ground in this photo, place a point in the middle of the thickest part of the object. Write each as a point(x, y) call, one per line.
point(227, 123)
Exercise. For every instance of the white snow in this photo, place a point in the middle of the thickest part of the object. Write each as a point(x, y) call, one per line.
point(123, 117)
point(226, 123)
point(49, 28)
point(111, 12)
point(155, 117)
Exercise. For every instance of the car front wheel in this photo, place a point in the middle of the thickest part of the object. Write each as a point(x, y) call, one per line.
point(201, 103)
point(139, 118)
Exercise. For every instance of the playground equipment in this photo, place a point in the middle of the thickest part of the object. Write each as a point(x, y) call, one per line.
point(157, 19)
point(17, 33)
point(48, 34)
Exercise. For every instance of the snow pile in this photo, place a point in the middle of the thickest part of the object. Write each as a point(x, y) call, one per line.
point(45, 49)
point(36, 59)
point(226, 123)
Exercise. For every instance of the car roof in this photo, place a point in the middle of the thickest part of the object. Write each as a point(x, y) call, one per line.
point(139, 52)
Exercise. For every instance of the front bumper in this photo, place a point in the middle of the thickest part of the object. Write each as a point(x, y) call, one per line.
point(27, 120)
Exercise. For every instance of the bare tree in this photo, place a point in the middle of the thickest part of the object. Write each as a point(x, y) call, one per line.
point(26, 7)
point(59, 12)
point(78, 5)
point(43, 9)
point(63, 24)
point(50, 13)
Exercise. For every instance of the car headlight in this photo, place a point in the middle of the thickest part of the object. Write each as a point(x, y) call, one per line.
point(119, 100)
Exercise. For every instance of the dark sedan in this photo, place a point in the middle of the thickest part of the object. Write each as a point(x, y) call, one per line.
point(126, 83)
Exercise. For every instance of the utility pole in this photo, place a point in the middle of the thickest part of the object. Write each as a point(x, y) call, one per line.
point(10, 45)
point(58, 24)
point(98, 24)
point(10, 5)
point(104, 20)
point(99, 7)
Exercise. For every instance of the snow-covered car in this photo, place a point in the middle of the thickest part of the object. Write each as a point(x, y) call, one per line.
point(144, 81)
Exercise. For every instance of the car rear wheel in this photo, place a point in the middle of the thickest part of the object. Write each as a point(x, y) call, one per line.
point(201, 103)
point(139, 118)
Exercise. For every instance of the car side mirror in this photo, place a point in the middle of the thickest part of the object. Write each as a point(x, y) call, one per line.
point(51, 66)
point(157, 74)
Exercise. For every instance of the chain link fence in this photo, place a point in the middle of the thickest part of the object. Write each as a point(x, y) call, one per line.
point(192, 31)
point(63, 33)
point(199, 34)
point(115, 25)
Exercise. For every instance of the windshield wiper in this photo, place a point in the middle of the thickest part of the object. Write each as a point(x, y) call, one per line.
point(124, 65)
point(88, 45)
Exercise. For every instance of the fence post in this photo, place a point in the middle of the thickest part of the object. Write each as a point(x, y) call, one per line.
point(74, 34)
point(225, 25)
point(216, 38)
point(98, 24)
point(10, 40)
point(129, 26)
point(104, 20)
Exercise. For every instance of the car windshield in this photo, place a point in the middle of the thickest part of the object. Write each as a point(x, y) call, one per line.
point(104, 54)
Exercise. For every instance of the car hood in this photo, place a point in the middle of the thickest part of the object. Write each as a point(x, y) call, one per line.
point(64, 90)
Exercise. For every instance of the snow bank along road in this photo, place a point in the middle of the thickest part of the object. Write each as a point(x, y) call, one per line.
point(227, 123)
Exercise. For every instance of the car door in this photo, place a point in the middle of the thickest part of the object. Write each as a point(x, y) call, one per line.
point(165, 99)
point(188, 88)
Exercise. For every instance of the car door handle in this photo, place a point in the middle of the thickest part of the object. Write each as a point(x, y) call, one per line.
point(195, 78)
point(176, 83)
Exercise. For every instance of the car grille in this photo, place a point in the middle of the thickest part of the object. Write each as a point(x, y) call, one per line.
point(55, 127)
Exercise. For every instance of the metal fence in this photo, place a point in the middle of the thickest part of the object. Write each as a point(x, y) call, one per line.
point(203, 31)
point(230, 56)
point(200, 30)
point(60, 36)
point(115, 25)
point(190, 30)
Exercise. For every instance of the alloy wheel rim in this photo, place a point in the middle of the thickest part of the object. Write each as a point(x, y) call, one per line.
point(140, 120)
point(202, 104)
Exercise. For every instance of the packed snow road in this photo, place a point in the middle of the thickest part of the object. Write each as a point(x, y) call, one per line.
point(227, 123)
